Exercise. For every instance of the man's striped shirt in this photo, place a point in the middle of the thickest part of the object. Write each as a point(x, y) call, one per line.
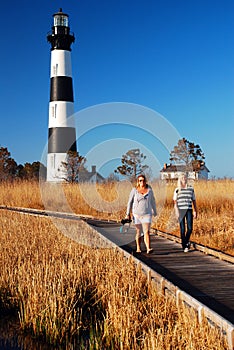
point(184, 197)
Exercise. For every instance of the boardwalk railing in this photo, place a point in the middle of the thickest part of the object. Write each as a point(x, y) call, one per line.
point(206, 250)
point(182, 298)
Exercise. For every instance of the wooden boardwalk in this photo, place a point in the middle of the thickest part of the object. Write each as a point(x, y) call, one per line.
point(204, 277)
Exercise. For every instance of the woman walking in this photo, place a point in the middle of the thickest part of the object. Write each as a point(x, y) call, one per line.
point(184, 203)
point(142, 205)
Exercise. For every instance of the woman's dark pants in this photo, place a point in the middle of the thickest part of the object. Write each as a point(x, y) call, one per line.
point(186, 216)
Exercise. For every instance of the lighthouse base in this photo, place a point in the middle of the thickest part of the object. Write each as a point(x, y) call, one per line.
point(56, 171)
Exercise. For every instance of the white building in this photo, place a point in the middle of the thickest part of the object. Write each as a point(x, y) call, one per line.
point(90, 176)
point(197, 171)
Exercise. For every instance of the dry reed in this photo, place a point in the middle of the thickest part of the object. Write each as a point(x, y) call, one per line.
point(214, 226)
point(75, 295)
point(215, 200)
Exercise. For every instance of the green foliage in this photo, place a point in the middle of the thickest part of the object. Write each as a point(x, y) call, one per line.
point(132, 164)
point(186, 153)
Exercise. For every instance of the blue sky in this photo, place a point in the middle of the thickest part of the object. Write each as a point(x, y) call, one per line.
point(175, 57)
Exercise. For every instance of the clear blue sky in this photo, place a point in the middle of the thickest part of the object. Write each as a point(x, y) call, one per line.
point(175, 57)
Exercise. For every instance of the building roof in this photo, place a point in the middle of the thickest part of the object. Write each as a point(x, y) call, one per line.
point(169, 168)
point(86, 175)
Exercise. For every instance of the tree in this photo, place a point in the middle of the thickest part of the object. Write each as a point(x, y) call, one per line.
point(112, 178)
point(132, 164)
point(31, 171)
point(9, 170)
point(75, 162)
point(8, 166)
point(187, 153)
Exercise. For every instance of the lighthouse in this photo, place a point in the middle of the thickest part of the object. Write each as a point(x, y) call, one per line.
point(62, 132)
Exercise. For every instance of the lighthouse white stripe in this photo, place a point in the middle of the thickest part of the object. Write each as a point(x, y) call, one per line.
point(60, 63)
point(55, 170)
point(61, 114)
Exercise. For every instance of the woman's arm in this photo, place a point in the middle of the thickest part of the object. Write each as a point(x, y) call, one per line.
point(194, 209)
point(194, 205)
point(176, 209)
point(130, 202)
point(153, 203)
point(175, 203)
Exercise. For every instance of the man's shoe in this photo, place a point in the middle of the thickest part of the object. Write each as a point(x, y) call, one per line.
point(186, 250)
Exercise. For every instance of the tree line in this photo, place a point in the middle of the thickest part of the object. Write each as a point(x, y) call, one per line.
point(132, 163)
point(10, 170)
point(185, 153)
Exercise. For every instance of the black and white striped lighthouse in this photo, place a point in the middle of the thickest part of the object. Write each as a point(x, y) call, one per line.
point(62, 133)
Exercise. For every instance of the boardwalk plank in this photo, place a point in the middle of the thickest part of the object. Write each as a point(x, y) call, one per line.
point(203, 276)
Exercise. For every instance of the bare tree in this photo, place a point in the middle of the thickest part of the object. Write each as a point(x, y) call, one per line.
point(75, 162)
point(132, 164)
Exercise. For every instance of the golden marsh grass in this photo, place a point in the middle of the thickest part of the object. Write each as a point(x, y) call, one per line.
point(64, 290)
point(214, 226)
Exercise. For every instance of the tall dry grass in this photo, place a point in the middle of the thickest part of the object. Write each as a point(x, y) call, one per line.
point(214, 226)
point(78, 296)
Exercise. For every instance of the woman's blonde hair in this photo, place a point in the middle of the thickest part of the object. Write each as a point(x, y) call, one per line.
point(182, 175)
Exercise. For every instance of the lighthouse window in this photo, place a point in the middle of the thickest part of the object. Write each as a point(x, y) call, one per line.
point(52, 160)
point(54, 110)
point(55, 69)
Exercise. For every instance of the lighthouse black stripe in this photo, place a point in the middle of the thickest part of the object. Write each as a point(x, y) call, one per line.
point(62, 140)
point(61, 89)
